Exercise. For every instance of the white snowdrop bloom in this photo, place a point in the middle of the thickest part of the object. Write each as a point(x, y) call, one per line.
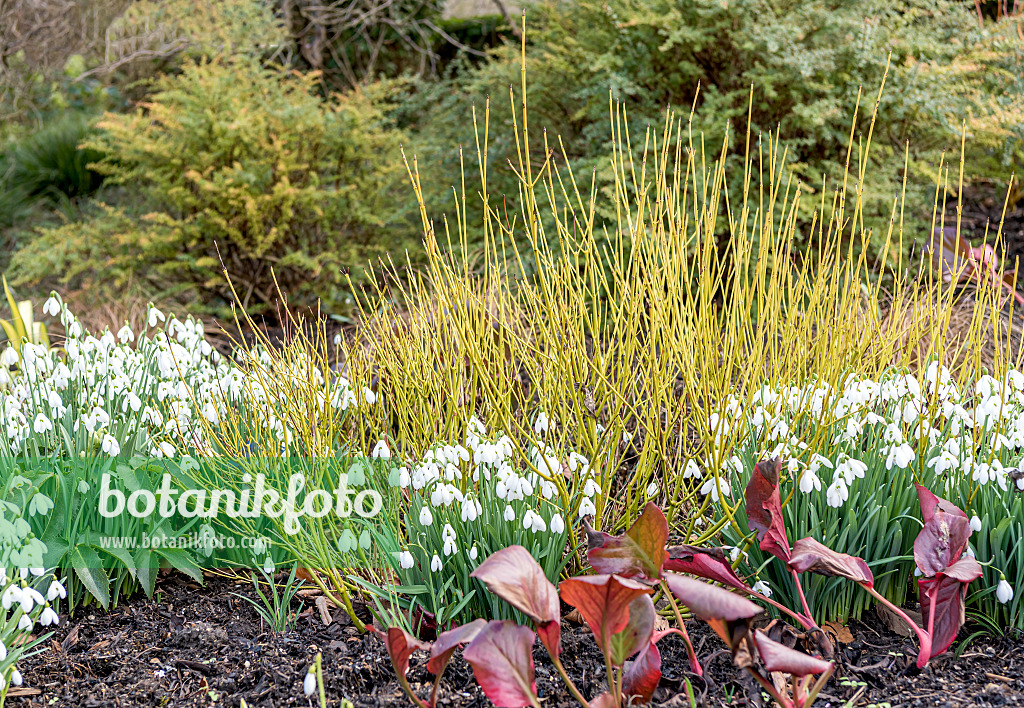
point(48, 617)
point(51, 307)
point(837, 492)
point(155, 316)
point(809, 482)
point(426, 517)
point(850, 468)
point(405, 560)
point(817, 462)
point(369, 396)
point(41, 424)
point(541, 424)
point(716, 487)
point(587, 507)
point(900, 455)
point(975, 523)
point(968, 551)
point(25, 623)
point(557, 524)
point(510, 513)
point(533, 521)
point(3, 651)
point(309, 682)
point(548, 489)
point(110, 446)
point(449, 547)
point(652, 489)
point(164, 449)
point(10, 356)
point(381, 450)
point(1004, 591)
point(761, 586)
point(11, 596)
point(435, 564)
point(473, 553)
point(125, 334)
point(690, 469)
point(448, 533)
point(471, 509)
point(16, 679)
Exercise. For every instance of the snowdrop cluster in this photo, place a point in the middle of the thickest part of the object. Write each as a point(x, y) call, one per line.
point(144, 392)
point(463, 501)
point(900, 429)
point(26, 601)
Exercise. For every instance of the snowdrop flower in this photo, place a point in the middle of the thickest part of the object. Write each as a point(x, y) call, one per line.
point(587, 507)
point(809, 482)
point(652, 489)
point(16, 678)
point(405, 560)
point(426, 517)
point(1004, 592)
point(450, 547)
point(975, 523)
point(471, 509)
point(25, 623)
point(850, 468)
point(591, 488)
point(309, 683)
point(155, 316)
point(900, 455)
point(691, 470)
point(48, 617)
point(557, 525)
point(41, 424)
point(541, 423)
point(473, 552)
point(381, 450)
point(51, 307)
point(762, 587)
point(125, 334)
point(111, 446)
point(533, 521)
point(716, 487)
point(10, 356)
point(817, 462)
point(435, 564)
point(11, 596)
point(837, 492)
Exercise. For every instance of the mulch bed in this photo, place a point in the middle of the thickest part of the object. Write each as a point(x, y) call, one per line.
point(204, 647)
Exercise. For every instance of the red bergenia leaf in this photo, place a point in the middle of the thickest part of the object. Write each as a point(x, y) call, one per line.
point(811, 556)
point(709, 602)
point(604, 602)
point(642, 675)
point(710, 563)
point(447, 642)
point(513, 575)
point(637, 633)
point(764, 508)
point(502, 661)
point(639, 551)
point(944, 536)
point(942, 604)
point(779, 657)
point(400, 645)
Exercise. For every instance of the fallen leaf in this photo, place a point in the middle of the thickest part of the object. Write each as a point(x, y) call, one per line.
point(838, 631)
point(322, 606)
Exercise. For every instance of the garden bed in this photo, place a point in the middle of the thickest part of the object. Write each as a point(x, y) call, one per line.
point(203, 647)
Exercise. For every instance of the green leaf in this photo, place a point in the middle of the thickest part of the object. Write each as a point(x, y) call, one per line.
point(181, 561)
point(86, 564)
point(146, 567)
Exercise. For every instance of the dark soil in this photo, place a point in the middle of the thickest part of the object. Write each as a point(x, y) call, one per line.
point(204, 647)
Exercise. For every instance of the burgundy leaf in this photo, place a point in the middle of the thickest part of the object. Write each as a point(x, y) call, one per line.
point(642, 675)
point(709, 602)
point(502, 661)
point(779, 657)
point(637, 633)
point(604, 602)
point(764, 508)
point(945, 592)
point(707, 563)
point(639, 551)
point(944, 536)
point(811, 556)
point(449, 641)
point(513, 575)
point(400, 645)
